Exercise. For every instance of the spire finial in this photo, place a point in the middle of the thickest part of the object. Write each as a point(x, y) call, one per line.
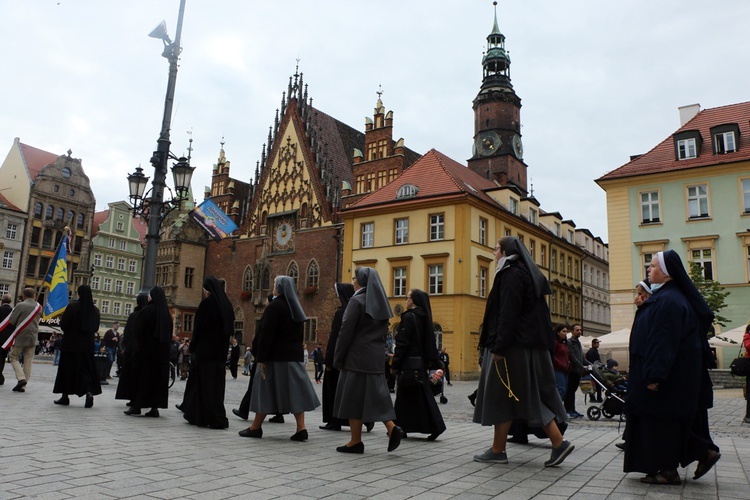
point(495, 28)
point(380, 91)
point(190, 142)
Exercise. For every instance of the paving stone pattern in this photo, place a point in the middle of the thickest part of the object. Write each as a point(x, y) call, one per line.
point(49, 451)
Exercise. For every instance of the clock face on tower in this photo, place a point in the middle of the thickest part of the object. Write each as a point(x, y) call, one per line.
point(517, 146)
point(283, 236)
point(488, 143)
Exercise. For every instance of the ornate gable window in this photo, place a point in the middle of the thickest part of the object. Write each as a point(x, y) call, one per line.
point(293, 272)
point(313, 274)
point(247, 279)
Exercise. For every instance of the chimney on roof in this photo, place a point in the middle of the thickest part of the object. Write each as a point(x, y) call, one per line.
point(688, 112)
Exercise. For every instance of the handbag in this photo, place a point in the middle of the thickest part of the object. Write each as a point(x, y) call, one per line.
point(411, 372)
point(740, 367)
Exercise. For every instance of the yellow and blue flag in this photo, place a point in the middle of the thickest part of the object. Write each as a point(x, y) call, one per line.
point(57, 281)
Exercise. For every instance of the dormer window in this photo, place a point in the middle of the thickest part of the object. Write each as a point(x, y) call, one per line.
point(725, 138)
point(513, 205)
point(407, 191)
point(687, 144)
point(686, 149)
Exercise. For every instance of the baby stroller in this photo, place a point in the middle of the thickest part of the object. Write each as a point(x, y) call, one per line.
point(614, 401)
point(437, 385)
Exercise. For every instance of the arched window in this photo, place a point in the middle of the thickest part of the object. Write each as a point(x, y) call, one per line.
point(293, 272)
point(70, 217)
point(60, 214)
point(247, 279)
point(312, 274)
point(79, 223)
point(50, 212)
point(37, 210)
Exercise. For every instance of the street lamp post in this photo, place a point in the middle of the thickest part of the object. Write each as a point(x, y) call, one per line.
point(155, 206)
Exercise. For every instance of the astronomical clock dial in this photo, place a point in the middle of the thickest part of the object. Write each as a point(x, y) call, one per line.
point(488, 143)
point(517, 146)
point(283, 235)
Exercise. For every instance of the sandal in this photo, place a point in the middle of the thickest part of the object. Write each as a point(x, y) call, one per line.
point(672, 478)
point(706, 465)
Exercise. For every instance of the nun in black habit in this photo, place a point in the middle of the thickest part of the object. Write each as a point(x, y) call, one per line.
point(203, 404)
point(415, 406)
point(126, 381)
point(362, 393)
point(669, 389)
point(153, 334)
point(518, 380)
point(281, 383)
point(344, 292)
point(76, 373)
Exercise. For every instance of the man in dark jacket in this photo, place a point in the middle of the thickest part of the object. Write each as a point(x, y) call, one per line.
point(592, 356)
point(446, 360)
point(578, 365)
point(318, 361)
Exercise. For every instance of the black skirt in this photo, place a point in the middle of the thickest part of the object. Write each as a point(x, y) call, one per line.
point(416, 409)
point(76, 374)
point(204, 403)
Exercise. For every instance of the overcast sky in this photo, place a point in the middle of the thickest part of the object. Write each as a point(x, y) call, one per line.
point(599, 80)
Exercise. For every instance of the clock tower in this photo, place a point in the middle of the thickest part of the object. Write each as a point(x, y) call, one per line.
point(498, 150)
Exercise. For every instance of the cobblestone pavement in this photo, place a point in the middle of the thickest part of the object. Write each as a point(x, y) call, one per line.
point(48, 451)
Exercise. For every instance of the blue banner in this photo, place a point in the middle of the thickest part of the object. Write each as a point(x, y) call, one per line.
point(213, 219)
point(57, 281)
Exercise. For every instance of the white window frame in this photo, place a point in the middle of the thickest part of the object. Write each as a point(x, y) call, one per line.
point(368, 235)
point(118, 286)
point(697, 196)
point(437, 227)
point(131, 265)
point(116, 306)
point(399, 282)
point(130, 288)
point(483, 271)
point(11, 231)
point(533, 215)
point(98, 260)
point(724, 142)
point(95, 282)
point(8, 258)
point(436, 279)
point(120, 264)
point(109, 262)
point(123, 245)
point(401, 236)
point(650, 207)
point(120, 226)
point(686, 149)
point(105, 307)
point(745, 188)
point(704, 257)
point(127, 309)
point(513, 205)
point(4, 288)
point(107, 285)
point(483, 231)
point(111, 243)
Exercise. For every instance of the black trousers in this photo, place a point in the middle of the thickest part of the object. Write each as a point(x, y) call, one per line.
point(245, 403)
point(574, 379)
point(3, 356)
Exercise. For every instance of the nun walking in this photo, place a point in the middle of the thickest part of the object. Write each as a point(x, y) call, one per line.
point(281, 383)
point(667, 404)
point(153, 334)
point(518, 379)
point(362, 393)
point(76, 373)
point(126, 382)
point(203, 404)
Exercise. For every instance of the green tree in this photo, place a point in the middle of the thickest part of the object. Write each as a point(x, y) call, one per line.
point(712, 291)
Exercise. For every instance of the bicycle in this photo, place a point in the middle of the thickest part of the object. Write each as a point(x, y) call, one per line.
point(172, 375)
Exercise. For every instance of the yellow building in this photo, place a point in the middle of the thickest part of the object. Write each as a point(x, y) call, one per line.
point(435, 228)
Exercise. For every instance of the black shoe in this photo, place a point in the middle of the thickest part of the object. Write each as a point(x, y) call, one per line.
point(64, 401)
point(89, 400)
point(620, 446)
point(277, 419)
point(369, 426)
point(358, 448)
point(250, 433)
point(103, 382)
point(20, 386)
point(239, 414)
point(152, 413)
point(472, 398)
point(132, 411)
point(395, 439)
point(299, 436)
point(433, 436)
point(519, 439)
point(330, 427)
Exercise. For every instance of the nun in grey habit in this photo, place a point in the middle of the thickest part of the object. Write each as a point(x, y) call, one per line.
point(362, 393)
point(281, 383)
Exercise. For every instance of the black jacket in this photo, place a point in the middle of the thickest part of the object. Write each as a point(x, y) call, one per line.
point(279, 337)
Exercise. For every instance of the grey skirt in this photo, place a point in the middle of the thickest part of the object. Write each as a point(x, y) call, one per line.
point(363, 396)
point(282, 387)
point(532, 396)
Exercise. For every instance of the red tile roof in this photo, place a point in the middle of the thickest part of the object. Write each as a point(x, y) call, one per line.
point(35, 159)
point(435, 175)
point(4, 203)
point(662, 157)
point(99, 218)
